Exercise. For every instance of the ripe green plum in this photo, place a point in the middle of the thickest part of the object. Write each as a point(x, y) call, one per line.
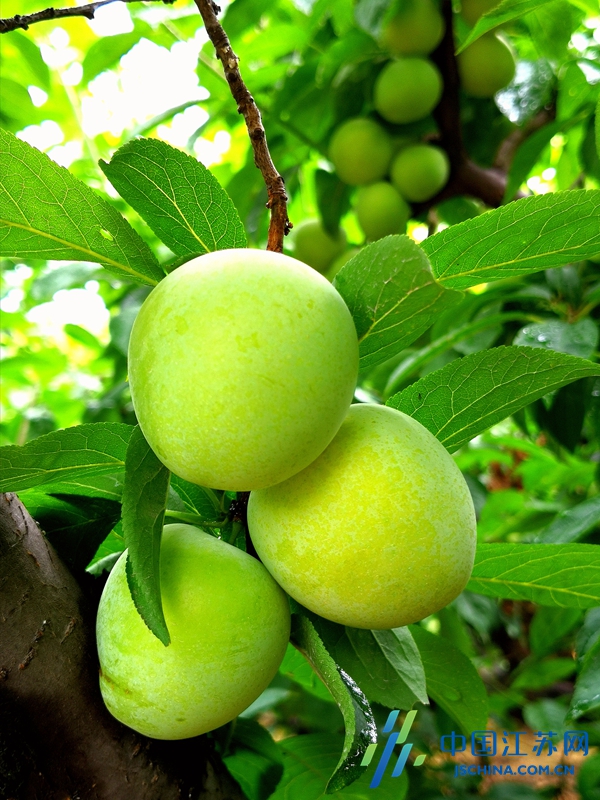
point(229, 624)
point(420, 171)
point(361, 151)
point(313, 245)
point(242, 366)
point(407, 89)
point(415, 31)
point(486, 66)
point(380, 210)
point(378, 532)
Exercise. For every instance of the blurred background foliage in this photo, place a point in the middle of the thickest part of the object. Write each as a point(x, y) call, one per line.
point(78, 89)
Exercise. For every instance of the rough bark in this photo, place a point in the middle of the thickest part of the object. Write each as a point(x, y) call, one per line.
point(57, 740)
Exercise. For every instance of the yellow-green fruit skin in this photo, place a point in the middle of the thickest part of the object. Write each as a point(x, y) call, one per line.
point(340, 262)
point(242, 366)
point(486, 66)
point(415, 31)
point(361, 151)
point(378, 532)
point(420, 171)
point(317, 248)
point(380, 210)
point(229, 624)
point(407, 89)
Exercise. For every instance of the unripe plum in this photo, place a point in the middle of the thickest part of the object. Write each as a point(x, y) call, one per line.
point(420, 171)
point(340, 261)
point(486, 66)
point(229, 624)
point(407, 89)
point(313, 245)
point(380, 210)
point(415, 31)
point(378, 532)
point(242, 366)
point(361, 151)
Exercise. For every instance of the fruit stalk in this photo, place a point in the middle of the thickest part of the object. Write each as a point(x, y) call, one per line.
point(279, 225)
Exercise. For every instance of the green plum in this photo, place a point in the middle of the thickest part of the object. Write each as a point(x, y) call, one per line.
point(340, 261)
point(472, 10)
point(242, 366)
point(313, 245)
point(361, 151)
point(229, 624)
point(378, 532)
point(380, 210)
point(420, 171)
point(415, 31)
point(486, 66)
point(407, 89)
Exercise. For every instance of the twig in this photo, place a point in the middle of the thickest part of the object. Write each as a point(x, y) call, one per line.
point(277, 203)
point(23, 21)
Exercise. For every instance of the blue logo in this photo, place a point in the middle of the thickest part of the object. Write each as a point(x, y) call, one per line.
point(395, 738)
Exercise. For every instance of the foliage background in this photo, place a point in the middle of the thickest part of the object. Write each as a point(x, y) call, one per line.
point(79, 89)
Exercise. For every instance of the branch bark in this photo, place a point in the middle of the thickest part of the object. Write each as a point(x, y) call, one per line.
point(23, 21)
point(57, 739)
point(279, 225)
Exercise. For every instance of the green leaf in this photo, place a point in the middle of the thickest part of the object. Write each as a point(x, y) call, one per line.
point(540, 674)
point(573, 524)
point(597, 126)
point(574, 338)
point(45, 212)
point(503, 12)
point(392, 296)
point(197, 499)
point(385, 664)
point(177, 196)
point(144, 501)
point(588, 634)
point(452, 680)
point(106, 52)
point(358, 717)
point(564, 575)
point(469, 395)
point(586, 696)
point(107, 487)
point(531, 234)
point(588, 779)
point(296, 667)
point(76, 526)
point(65, 455)
point(309, 760)
point(549, 626)
point(255, 761)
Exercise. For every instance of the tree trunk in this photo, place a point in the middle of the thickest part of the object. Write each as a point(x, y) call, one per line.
point(57, 740)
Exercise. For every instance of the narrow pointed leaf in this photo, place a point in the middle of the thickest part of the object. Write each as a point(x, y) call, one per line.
point(45, 212)
point(358, 717)
point(65, 455)
point(531, 234)
point(572, 524)
point(144, 501)
point(392, 296)
point(504, 12)
point(385, 664)
point(469, 395)
point(178, 197)
point(586, 696)
point(564, 575)
point(452, 680)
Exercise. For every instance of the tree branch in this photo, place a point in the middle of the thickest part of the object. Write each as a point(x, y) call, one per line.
point(277, 203)
point(57, 739)
point(88, 11)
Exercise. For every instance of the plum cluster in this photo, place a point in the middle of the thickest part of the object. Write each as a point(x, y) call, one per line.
point(374, 154)
point(243, 365)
